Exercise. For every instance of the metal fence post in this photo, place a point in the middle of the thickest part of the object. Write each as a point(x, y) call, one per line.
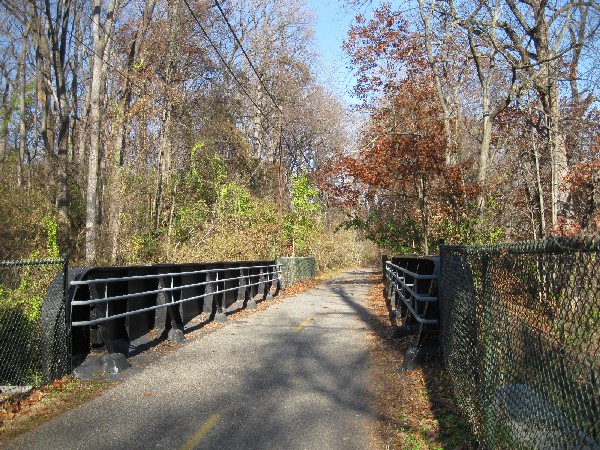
point(67, 306)
point(488, 351)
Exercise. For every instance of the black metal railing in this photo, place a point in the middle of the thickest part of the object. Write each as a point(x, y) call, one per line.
point(520, 336)
point(113, 306)
point(412, 295)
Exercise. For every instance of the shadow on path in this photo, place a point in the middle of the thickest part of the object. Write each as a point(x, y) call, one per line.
point(453, 431)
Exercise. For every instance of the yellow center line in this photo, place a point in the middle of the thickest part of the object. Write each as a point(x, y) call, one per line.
point(303, 324)
point(201, 433)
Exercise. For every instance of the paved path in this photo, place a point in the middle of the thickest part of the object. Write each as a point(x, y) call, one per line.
point(294, 376)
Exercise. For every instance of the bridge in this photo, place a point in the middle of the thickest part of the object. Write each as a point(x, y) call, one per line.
point(294, 376)
point(515, 325)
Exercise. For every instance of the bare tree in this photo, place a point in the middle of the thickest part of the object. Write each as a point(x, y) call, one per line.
point(532, 37)
point(22, 105)
point(103, 27)
point(499, 83)
point(121, 127)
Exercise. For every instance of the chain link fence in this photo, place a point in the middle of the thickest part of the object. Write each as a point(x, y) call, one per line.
point(34, 337)
point(296, 269)
point(521, 339)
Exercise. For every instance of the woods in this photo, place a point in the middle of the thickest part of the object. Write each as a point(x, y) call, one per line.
point(137, 131)
point(482, 122)
point(153, 131)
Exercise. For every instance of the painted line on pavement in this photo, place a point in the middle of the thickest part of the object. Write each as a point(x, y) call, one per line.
point(303, 324)
point(201, 433)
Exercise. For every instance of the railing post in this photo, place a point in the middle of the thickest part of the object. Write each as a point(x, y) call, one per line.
point(218, 298)
point(55, 327)
point(488, 352)
point(176, 326)
point(249, 299)
point(67, 309)
point(261, 289)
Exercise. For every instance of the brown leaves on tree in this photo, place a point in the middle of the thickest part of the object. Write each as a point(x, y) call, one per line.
point(403, 153)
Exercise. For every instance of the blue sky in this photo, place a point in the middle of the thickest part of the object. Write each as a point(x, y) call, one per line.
point(333, 20)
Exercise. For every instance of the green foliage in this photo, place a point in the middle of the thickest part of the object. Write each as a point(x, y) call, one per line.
point(207, 174)
point(28, 295)
point(51, 225)
point(301, 222)
point(138, 67)
point(399, 237)
point(190, 218)
point(18, 348)
point(22, 290)
point(144, 248)
point(470, 231)
point(233, 203)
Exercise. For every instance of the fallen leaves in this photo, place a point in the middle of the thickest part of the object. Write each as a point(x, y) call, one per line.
point(21, 412)
point(20, 404)
point(302, 286)
point(414, 408)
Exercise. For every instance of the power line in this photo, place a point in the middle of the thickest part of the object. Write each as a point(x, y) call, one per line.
point(134, 85)
point(195, 18)
point(218, 5)
point(138, 90)
point(221, 57)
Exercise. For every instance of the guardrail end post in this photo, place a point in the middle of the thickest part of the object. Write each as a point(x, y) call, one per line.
point(220, 317)
point(251, 304)
point(176, 335)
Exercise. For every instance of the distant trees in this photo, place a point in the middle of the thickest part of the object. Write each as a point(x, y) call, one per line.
point(479, 122)
point(155, 129)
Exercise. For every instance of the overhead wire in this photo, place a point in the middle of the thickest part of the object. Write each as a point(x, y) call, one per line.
point(221, 57)
point(218, 5)
point(268, 92)
point(137, 89)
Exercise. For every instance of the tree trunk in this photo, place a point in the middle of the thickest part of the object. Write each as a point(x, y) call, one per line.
point(484, 151)
point(166, 137)
point(22, 106)
point(426, 17)
point(79, 123)
point(558, 154)
point(101, 40)
point(51, 43)
point(421, 183)
point(539, 187)
point(4, 118)
point(546, 84)
point(257, 124)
